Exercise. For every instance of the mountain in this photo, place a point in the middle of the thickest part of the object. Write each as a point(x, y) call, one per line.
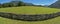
point(56, 4)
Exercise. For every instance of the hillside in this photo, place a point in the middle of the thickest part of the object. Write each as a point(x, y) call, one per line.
point(29, 10)
point(56, 4)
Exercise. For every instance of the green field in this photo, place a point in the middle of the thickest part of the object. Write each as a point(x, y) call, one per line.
point(29, 10)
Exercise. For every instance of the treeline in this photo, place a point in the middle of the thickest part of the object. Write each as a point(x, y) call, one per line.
point(15, 4)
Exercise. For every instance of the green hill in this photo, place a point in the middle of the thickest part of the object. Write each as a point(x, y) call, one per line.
point(29, 10)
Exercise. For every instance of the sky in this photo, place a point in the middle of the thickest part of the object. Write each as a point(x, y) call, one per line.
point(36, 2)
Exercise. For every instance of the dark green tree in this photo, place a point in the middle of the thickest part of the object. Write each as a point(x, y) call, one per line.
point(0, 5)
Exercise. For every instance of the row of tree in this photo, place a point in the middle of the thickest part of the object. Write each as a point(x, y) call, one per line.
point(15, 4)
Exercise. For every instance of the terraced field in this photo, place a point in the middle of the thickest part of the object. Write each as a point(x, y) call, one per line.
point(29, 10)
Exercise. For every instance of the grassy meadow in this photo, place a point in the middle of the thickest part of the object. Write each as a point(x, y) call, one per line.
point(29, 10)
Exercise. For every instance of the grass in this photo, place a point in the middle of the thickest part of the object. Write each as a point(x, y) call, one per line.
point(29, 10)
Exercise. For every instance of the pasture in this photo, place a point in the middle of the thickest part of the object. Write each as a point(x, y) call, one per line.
point(29, 10)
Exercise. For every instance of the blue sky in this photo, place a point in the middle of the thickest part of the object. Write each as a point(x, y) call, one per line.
point(4, 1)
point(40, 2)
point(36, 2)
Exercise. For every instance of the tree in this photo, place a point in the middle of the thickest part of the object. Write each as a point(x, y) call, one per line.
point(15, 3)
point(5, 5)
point(28, 4)
point(0, 5)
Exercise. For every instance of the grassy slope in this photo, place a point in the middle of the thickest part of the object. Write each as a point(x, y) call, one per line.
point(29, 10)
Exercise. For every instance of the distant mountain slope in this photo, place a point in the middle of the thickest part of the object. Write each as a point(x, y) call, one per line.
point(56, 4)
